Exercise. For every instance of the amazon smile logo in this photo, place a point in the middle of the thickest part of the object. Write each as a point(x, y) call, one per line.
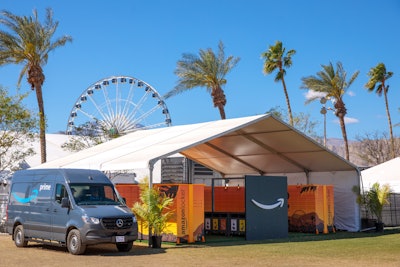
point(279, 203)
point(34, 195)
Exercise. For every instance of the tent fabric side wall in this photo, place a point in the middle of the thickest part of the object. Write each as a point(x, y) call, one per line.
point(347, 211)
point(384, 173)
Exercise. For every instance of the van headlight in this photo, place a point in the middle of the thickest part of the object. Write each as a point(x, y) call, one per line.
point(134, 219)
point(90, 220)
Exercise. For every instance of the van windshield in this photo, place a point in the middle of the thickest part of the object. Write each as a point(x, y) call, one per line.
point(94, 194)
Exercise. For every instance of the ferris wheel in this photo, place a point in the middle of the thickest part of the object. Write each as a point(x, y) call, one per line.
point(116, 106)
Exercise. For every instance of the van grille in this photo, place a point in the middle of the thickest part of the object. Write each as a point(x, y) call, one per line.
point(117, 223)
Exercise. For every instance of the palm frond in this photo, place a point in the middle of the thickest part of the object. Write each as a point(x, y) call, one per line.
point(28, 41)
point(205, 70)
point(154, 208)
point(378, 76)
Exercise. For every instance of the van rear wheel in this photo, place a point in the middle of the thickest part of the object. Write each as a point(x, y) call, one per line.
point(19, 236)
point(74, 243)
point(124, 247)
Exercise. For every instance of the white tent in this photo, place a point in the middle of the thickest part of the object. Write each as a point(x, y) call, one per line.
point(384, 173)
point(257, 145)
point(53, 148)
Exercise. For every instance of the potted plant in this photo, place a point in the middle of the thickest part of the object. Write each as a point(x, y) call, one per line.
point(374, 200)
point(153, 211)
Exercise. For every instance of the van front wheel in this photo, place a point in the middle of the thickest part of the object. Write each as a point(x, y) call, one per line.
point(19, 236)
point(74, 243)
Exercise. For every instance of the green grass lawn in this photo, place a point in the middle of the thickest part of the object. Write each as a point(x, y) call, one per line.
point(341, 249)
point(334, 249)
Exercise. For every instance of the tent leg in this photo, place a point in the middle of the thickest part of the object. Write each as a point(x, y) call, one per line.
point(151, 168)
point(307, 176)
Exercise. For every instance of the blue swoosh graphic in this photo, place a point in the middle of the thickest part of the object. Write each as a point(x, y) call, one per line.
point(34, 195)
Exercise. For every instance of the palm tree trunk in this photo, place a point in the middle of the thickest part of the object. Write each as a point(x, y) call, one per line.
point(42, 123)
point(287, 102)
point(222, 112)
point(219, 100)
point(390, 124)
point(344, 133)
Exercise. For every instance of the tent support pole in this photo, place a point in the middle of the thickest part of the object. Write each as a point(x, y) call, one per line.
point(151, 168)
point(212, 196)
point(307, 176)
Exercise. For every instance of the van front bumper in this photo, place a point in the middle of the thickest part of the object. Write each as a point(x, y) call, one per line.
point(98, 235)
point(95, 239)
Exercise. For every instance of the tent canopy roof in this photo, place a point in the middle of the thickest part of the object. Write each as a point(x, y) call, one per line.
point(384, 173)
point(251, 145)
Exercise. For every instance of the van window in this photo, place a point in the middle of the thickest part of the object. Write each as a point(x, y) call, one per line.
point(61, 192)
point(21, 194)
point(94, 194)
point(45, 193)
point(29, 193)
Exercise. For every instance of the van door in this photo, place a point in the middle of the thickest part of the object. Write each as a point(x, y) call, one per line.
point(19, 206)
point(39, 222)
point(60, 216)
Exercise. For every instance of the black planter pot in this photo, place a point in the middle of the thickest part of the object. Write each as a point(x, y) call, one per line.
point(368, 223)
point(379, 227)
point(156, 241)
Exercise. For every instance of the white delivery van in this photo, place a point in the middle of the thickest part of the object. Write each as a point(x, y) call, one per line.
point(68, 207)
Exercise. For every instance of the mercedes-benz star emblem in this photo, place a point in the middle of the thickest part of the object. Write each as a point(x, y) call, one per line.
point(119, 223)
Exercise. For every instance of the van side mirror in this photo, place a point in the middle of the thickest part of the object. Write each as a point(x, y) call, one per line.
point(65, 202)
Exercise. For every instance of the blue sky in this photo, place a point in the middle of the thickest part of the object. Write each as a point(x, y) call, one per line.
point(145, 39)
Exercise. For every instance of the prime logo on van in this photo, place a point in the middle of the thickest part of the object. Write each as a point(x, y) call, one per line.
point(45, 187)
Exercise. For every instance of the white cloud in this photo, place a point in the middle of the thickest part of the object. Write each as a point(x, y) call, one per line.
point(351, 93)
point(348, 120)
point(310, 94)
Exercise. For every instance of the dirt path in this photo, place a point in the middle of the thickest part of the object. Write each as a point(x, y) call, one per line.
point(101, 255)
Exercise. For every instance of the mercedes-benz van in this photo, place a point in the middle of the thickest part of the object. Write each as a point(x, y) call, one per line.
point(68, 207)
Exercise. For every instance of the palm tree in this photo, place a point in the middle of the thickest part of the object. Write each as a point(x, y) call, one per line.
point(205, 70)
point(153, 210)
point(276, 59)
point(333, 83)
point(377, 82)
point(28, 42)
point(374, 200)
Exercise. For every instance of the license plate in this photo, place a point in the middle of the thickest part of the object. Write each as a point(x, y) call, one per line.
point(119, 239)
